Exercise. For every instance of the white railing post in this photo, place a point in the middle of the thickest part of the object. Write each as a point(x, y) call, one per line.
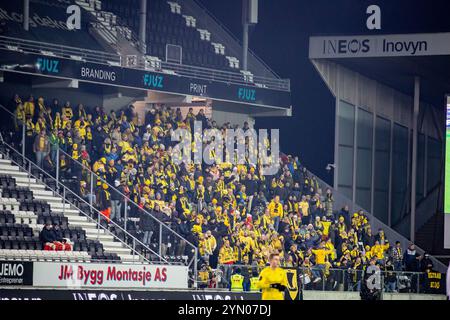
point(57, 168)
point(64, 199)
point(125, 215)
point(134, 249)
point(29, 172)
point(195, 266)
point(23, 138)
point(91, 191)
point(160, 242)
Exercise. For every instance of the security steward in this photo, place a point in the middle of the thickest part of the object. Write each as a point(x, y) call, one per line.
point(273, 279)
point(237, 281)
point(254, 282)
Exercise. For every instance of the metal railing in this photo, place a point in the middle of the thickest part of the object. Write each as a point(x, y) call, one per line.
point(64, 192)
point(61, 51)
point(333, 279)
point(101, 57)
point(171, 237)
point(341, 200)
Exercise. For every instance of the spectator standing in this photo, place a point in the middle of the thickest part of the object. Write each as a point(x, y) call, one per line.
point(397, 256)
point(116, 201)
point(41, 148)
point(104, 201)
point(276, 211)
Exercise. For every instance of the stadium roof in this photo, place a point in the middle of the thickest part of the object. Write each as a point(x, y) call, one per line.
point(399, 72)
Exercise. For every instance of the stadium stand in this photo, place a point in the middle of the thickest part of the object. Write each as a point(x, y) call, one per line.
point(47, 24)
point(168, 25)
point(233, 214)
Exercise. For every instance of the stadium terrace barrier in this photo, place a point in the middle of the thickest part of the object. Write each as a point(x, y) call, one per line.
point(93, 275)
point(343, 280)
point(326, 295)
point(47, 294)
point(92, 56)
point(340, 201)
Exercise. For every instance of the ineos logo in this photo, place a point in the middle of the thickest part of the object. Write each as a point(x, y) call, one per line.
point(346, 46)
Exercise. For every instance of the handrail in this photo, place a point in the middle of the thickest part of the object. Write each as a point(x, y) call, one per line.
point(341, 277)
point(63, 197)
point(41, 43)
point(374, 220)
point(110, 186)
point(143, 210)
point(88, 55)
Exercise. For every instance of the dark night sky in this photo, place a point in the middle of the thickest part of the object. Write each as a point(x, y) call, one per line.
point(281, 40)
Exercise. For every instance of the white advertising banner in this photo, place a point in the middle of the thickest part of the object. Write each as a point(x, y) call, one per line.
point(99, 275)
point(394, 45)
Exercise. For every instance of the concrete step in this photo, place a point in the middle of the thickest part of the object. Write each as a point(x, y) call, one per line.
point(49, 199)
point(94, 232)
point(58, 206)
point(8, 167)
point(26, 179)
point(112, 245)
point(101, 237)
point(13, 173)
point(84, 224)
point(119, 251)
point(43, 192)
point(5, 161)
point(73, 219)
point(68, 212)
point(129, 257)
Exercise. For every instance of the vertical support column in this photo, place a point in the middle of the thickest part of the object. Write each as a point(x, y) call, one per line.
point(391, 159)
point(245, 5)
point(26, 14)
point(336, 132)
point(24, 141)
point(142, 26)
point(414, 157)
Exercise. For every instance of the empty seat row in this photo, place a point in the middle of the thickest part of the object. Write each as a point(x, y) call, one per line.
point(37, 206)
point(7, 217)
point(20, 193)
point(20, 243)
point(109, 257)
point(7, 181)
point(87, 245)
point(15, 229)
point(42, 255)
point(53, 218)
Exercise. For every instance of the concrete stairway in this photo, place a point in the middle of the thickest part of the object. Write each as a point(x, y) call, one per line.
point(75, 217)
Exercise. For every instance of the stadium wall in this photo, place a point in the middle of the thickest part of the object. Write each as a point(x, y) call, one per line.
point(373, 138)
point(77, 294)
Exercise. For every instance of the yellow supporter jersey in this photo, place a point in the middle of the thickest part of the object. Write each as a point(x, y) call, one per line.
point(321, 255)
point(304, 206)
point(276, 209)
point(270, 276)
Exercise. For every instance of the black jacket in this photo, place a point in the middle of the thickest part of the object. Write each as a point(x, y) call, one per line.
point(57, 234)
point(47, 235)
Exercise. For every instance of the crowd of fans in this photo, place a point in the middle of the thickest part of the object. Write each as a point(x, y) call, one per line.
point(232, 213)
